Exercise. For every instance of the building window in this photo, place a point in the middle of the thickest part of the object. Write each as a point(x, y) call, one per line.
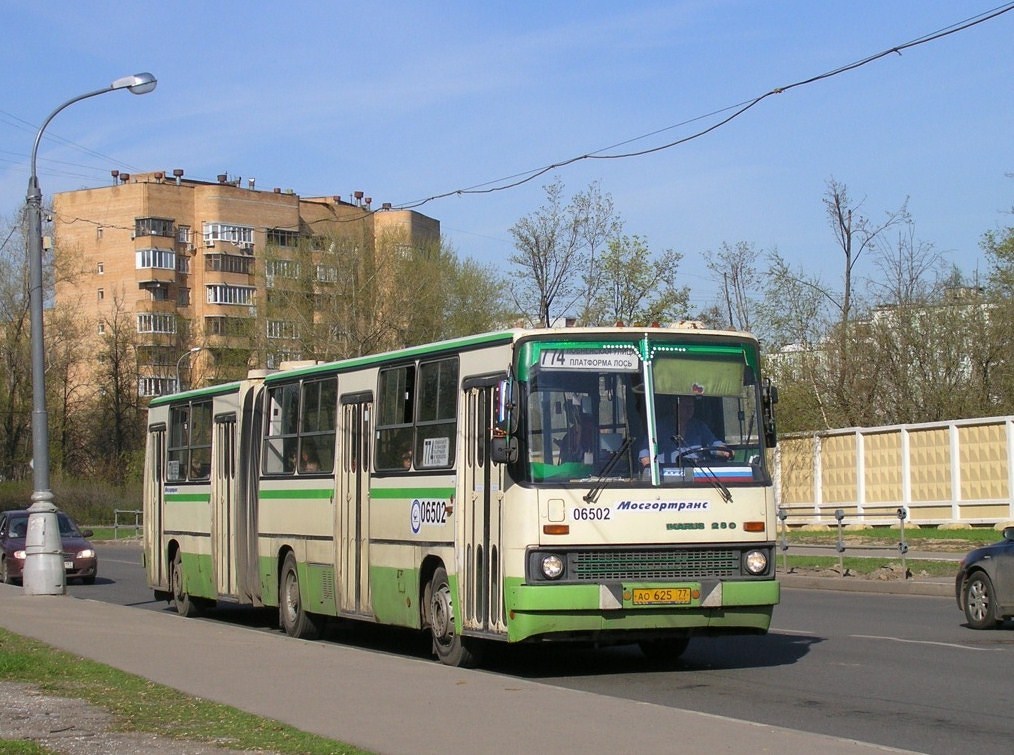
point(157, 356)
point(282, 329)
point(152, 386)
point(183, 234)
point(227, 326)
point(154, 227)
point(183, 296)
point(281, 237)
point(159, 293)
point(156, 323)
point(163, 259)
point(275, 358)
point(102, 294)
point(228, 263)
point(101, 268)
point(282, 269)
point(241, 235)
point(327, 273)
point(102, 328)
point(222, 294)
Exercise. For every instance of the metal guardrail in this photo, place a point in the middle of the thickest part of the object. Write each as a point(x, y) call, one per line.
point(127, 514)
point(840, 546)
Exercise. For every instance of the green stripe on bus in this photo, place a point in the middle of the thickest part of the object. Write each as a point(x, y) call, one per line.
point(411, 492)
point(308, 493)
point(184, 497)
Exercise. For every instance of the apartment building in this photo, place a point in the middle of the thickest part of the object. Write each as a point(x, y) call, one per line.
point(212, 278)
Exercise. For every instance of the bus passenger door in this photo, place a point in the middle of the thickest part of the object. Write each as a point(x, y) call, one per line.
point(222, 504)
point(353, 514)
point(479, 515)
point(154, 503)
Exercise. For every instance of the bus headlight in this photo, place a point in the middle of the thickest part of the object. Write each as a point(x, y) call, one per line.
point(756, 562)
point(552, 566)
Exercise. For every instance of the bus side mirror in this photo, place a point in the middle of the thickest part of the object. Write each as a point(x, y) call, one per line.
point(503, 450)
point(506, 408)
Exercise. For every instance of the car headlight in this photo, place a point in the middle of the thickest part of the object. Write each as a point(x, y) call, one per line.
point(552, 566)
point(756, 562)
point(19, 555)
point(86, 553)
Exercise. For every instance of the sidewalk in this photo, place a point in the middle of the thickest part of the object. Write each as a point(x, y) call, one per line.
point(383, 703)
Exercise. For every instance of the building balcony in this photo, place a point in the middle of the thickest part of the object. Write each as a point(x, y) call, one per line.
point(154, 275)
point(164, 307)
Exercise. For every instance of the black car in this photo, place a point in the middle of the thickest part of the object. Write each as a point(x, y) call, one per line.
point(984, 586)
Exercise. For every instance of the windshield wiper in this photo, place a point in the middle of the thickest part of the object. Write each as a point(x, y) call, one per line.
point(593, 494)
point(697, 461)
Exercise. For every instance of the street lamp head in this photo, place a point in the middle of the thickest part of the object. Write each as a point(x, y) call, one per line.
point(139, 83)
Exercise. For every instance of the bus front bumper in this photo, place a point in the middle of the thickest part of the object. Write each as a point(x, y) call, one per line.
point(598, 610)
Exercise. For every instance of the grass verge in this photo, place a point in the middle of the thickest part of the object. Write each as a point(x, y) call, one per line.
point(141, 705)
point(866, 566)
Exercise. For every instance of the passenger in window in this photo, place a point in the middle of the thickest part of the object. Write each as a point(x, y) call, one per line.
point(406, 459)
point(308, 461)
point(692, 436)
point(579, 444)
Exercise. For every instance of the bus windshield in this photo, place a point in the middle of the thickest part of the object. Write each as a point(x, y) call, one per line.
point(680, 415)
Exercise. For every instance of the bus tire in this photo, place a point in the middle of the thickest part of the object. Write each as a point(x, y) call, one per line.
point(292, 616)
point(186, 605)
point(449, 647)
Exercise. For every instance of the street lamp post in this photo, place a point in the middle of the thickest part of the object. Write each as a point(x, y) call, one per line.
point(43, 572)
point(194, 350)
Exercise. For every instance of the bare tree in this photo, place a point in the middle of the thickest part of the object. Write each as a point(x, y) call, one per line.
point(555, 253)
point(118, 411)
point(15, 340)
point(734, 268)
point(855, 234)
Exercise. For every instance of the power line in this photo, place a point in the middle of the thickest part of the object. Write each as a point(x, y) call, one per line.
point(737, 110)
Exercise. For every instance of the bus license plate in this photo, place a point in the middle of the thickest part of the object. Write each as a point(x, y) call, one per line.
point(664, 596)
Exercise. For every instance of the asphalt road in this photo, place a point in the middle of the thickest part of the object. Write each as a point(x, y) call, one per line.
point(901, 671)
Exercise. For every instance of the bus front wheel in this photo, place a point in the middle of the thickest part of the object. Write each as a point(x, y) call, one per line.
point(450, 647)
point(293, 617)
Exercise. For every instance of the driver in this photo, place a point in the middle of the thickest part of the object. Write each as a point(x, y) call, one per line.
point(692, 434)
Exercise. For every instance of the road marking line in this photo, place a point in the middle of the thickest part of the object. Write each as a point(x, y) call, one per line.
point(921, 642)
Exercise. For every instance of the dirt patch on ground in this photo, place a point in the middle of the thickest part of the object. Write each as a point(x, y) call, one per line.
point(71, 726)
point(884, 573)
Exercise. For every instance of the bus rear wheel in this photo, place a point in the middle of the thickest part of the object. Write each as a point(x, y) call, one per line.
point(292, 615)
point(450, 648)
point(186, 605)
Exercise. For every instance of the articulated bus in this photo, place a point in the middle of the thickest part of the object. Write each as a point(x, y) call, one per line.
point(516, 486)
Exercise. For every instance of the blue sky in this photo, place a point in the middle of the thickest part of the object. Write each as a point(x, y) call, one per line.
point(408, 100)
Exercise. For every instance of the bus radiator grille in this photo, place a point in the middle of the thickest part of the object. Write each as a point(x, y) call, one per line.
point(652, 565)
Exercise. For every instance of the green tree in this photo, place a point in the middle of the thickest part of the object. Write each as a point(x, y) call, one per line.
point(638, 287)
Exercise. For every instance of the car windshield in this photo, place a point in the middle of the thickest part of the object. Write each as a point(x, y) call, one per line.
point(19, 526)
point(67, 527)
